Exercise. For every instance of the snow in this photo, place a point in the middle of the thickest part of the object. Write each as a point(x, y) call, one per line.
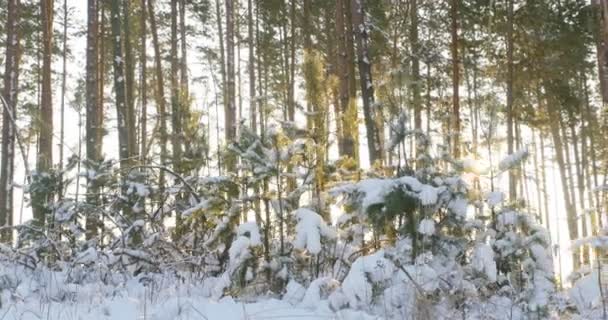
point(483, 261)
point(44, 294)
point(494, 198)
point(138, 188)
point(374, 191)
point(318, 291)
point(428, 195)
point(365, 271)
point(294, 292)
point(426, 227)
point(309, 230)
point(586, 293)
point(473, 166)
point(459, 206)
point(507, 218)
point(513, 159)
point(87, 256)
point(251, 230)
point(239, 252)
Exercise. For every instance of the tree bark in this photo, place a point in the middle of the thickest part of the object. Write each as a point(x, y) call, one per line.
point(251, 68)
point(455, 119)
point(129, 71)
point(159, 92)
point(602, 48)
point(119, 86)
point(44, 160)
point(554, 126)
point(416, 81)
point(93, 142)
point(64, 57)
point(143, 126)
point(9, 95)
point(176, 138)
point(510, 141)
point(371, 111)
point(230, 107)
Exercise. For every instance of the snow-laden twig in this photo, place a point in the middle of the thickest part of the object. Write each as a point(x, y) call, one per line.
point(173, 173)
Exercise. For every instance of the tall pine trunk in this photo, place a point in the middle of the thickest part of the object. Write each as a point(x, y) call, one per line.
point(230, 108)
point(554, 126)
point(44, 160)
point(143, 121)
point(9, 96)
point(159, 92)
point(129, 72)
point(176, 138)
point(119, 85)
point(371, 111)
point(455, 118)
point(92, 126)
point(251, 68)
point(416, 81)
point(510, 124)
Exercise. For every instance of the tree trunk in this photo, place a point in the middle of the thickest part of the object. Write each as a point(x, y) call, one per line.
point(218, 13)
point(510, 142)
point(230, 107)
point(602, 48)
point(350, 118)
point(184, 51)
point(544, 178)
point(341, 72)
point(183, 82)
point(348, 135)
point(292, 61)
point(159, 92)
point(101, 73)
point(143, 127)
point(129, 71)
point(230, 112)
point(371, 110)
point(416, 81)
point(9, 95)
point(119, 86)
point(554, 126)
point(176, 139)
point(64, 56)
point(580, 183)
point(455, 119)
point(251, 68)
point(44, 160)
point(93, 142)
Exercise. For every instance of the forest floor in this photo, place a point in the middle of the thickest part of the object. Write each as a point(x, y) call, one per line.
point(45, 295)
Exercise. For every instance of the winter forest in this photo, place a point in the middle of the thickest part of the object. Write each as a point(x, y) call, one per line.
point(304, 159)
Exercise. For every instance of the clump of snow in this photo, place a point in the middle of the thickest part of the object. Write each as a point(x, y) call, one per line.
point(251, 230)
point(459, 206)
point(483, 261)
point(364, 273)
point(309, 230)
point(427, 227)
point(494, 198)
point(294, 292)
point(513, 159)
point(87, 256)
point(507, 218)
point(319, 290)
point(428, 195)
point(473, 166)
point(138, 188)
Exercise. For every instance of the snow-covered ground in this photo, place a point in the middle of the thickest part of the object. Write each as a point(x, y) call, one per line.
point(74, 296)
